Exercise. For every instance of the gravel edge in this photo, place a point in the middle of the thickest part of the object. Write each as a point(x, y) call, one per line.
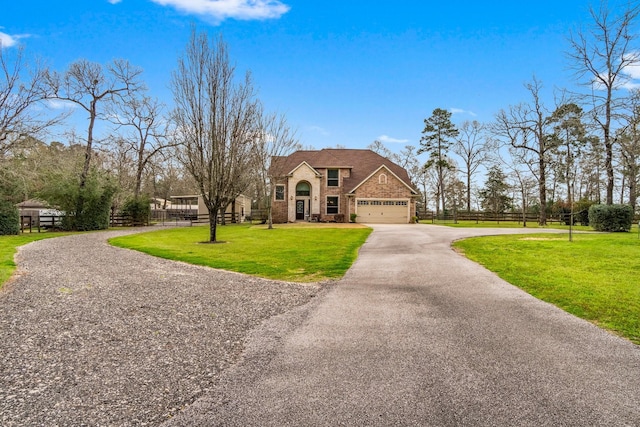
point(95, 335)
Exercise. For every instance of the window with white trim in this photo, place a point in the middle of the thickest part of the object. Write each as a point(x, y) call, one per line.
point(333, 178)
point(332, 205)
point(303, 189)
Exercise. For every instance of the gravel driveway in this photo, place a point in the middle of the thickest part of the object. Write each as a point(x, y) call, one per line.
point(96, 335)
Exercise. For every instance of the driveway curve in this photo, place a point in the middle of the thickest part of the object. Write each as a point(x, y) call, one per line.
point(94, 335)
point(417, 335)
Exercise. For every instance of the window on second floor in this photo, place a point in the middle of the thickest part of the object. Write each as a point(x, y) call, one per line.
point(303, 189)
point(333, 178)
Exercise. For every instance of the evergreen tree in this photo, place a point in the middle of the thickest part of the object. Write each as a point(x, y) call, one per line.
point(495, 194)
point(437, 138)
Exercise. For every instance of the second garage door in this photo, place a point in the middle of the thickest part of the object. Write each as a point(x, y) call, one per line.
point(383, 211)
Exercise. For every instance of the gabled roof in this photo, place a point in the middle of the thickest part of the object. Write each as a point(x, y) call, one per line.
point(363, 163)
point(388, 170)
point(304, 164)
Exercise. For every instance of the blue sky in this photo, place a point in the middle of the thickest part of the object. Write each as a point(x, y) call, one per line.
point(345, 72)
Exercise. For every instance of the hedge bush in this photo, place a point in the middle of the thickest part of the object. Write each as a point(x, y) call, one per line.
point(611, 217)
point(139, 209)
point(9, 219)
point(86, 208)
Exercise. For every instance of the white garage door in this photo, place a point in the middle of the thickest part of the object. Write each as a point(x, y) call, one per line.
point(383, 211)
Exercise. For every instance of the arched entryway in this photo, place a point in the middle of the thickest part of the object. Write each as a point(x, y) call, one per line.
point(303, 200)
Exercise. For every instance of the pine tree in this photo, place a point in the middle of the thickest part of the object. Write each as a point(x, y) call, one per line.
point(438, 137)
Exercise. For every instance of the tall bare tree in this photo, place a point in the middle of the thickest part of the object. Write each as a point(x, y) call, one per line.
point(93, 88)
point(601, 56)
point(521, 181)
point(275, 140)
point(217, 121)
point(525, 127)
point(21, 89)
point(629, 139)
point(472, 146)
point(144, 132)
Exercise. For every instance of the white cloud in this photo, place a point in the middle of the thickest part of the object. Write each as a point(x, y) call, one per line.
point(461, 111)
point(7, 40)
point(56, 104)
point(219, 10)
point(114, 1)
point(632, 74)
point(389, 140)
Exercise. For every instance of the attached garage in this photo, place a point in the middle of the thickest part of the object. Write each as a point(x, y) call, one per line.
point(383, 211)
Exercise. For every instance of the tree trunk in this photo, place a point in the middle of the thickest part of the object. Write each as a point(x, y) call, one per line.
point(233, 212)
point(442, 195)
point(89, 149)
point(468, 191)
point(213, 225)
point(610, 175)
point(543, 192)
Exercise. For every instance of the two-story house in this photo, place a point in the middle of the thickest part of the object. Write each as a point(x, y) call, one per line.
point(333, 184)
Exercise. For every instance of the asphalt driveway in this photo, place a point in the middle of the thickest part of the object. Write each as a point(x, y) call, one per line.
point(416, 334)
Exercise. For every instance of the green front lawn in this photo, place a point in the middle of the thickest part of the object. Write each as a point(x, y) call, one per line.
point(504, 224)
point(595, 277)
point(287, 252)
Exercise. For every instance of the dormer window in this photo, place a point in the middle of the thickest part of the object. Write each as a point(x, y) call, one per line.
point(333, 178)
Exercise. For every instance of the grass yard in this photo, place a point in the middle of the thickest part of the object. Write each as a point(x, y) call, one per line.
point(9, 247)
point(505, 224)
point(595, 277)
point(288, 252)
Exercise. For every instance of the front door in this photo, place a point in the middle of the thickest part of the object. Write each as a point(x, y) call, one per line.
point(300, 210)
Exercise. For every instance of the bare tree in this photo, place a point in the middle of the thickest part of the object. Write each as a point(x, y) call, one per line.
point(591, 164)
point(472, 146)
point(525, 128)
point(629, 139)
point(522, 182)
point(275, 141)
point(378, 146)
point(18, 95)
point(217, 121)
point(93, 88)
point(145, 132)
point(601, 56)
